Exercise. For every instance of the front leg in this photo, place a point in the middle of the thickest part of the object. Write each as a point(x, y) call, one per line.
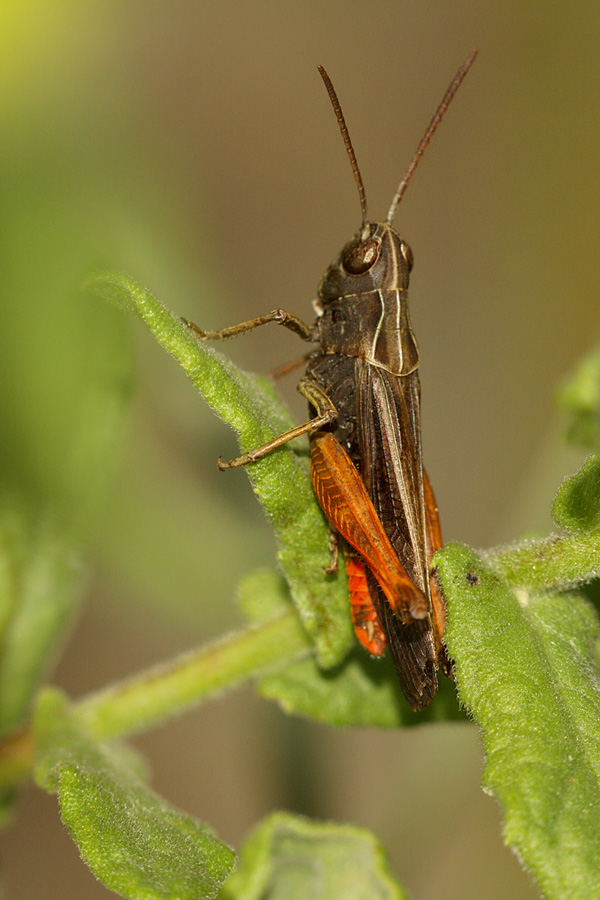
point(279, 316)
point(326, 414)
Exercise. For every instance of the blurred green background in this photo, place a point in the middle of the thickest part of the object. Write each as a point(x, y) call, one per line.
point(192, 146)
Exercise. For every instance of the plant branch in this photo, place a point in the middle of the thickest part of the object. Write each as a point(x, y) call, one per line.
point(162, 691)
point(151, 697)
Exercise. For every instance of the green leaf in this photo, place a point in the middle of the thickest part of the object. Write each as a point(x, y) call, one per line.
point(59, 449)
point(281, 480)
point(62, 403)
point(579, 399)
point(288, 857)
point(263, 594)
point(40, 587)
point(360, 691)
point(41, 543)
point(132, 840)
point(525, 668)
point(577, 503)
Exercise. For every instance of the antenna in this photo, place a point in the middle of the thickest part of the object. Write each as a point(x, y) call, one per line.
point(349, 148)
point(448, 96)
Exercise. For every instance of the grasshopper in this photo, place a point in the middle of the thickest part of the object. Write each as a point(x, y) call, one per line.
point(362, 387)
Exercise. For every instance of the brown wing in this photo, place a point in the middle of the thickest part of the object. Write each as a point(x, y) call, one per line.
point(388, 419)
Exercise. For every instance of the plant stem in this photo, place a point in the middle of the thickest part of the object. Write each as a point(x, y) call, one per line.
point(152, 696)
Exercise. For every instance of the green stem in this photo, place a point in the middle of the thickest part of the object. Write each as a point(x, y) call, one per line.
point(151, 697)
point(555, 561)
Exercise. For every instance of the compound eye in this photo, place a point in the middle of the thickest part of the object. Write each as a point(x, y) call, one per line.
point(361, 257)
point(408, 255)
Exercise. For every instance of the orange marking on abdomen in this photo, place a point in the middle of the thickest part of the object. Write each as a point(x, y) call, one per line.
point(344, 499)
point(366, 624)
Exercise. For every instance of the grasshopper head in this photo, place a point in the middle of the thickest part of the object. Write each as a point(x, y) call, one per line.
point(376, 259)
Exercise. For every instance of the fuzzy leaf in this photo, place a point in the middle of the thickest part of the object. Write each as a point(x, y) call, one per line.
point(288, 857)
point(577, 503)
point(280, 480)
point(263, 594)
point(41, 580)
point(53, 483)
point(360, 691)
point(525, 669)
point(132, 840)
